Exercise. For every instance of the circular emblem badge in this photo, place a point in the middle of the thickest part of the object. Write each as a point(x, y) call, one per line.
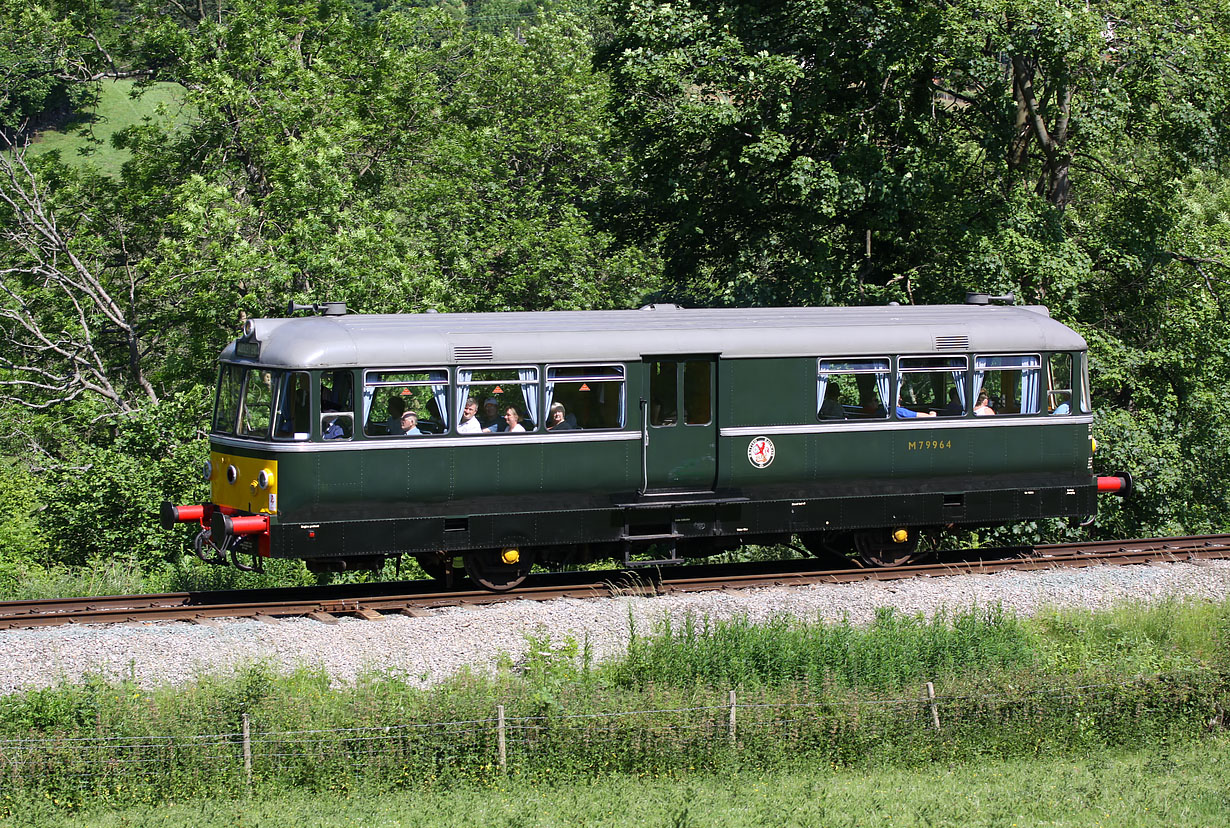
point(760, 452)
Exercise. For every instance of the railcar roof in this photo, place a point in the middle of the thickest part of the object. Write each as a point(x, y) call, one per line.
point(620, 336)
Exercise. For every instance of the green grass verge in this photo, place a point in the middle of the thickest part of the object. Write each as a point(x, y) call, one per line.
point(1006, 687)
point(1141, 788)
point(86, 139)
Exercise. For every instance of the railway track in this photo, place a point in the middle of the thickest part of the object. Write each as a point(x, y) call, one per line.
point(374, 601)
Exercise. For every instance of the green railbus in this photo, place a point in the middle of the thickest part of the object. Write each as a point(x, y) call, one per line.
point(502, 440)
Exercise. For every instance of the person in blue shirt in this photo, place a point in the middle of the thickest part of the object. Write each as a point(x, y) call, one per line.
point(409, 424)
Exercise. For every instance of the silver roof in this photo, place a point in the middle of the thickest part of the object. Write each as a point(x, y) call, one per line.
point(595, 336)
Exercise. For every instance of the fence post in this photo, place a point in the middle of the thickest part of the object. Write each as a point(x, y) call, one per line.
point(500, 730)
point(731, 728)
point(247, 752)
point(935, 711)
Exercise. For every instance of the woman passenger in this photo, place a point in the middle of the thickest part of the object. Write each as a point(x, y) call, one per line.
point(512, 420)
point(557, 419)
point(982, 408)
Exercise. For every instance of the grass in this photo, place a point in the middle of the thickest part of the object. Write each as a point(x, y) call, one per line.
point(1127, 789)
point(86, 139)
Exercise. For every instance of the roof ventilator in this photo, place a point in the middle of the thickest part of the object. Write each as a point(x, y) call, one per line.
point(952, 342)
point(661, 306)
point(473, 353)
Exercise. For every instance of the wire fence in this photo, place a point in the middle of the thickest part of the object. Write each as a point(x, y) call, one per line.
point(752, 729)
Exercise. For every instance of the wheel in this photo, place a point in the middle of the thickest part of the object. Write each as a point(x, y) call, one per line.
point(886, 547)
point(498, 570)
point(436, 566)
point(829, 546)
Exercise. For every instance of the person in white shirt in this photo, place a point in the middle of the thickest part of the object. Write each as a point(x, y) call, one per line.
point(513, 420)
point(469, 423)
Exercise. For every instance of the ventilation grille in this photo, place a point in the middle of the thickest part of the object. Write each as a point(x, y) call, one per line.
point(473, 353)
point(955, 342)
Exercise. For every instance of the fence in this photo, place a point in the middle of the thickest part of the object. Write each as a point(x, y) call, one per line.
point(751, 729)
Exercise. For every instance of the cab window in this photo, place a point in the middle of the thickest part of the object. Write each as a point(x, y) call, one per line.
point(1059, 384)
point(226, 404)
point(256, 404)
point(336, 405)
point(293, 420)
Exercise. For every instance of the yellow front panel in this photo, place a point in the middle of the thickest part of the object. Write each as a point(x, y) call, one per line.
point(245, 493)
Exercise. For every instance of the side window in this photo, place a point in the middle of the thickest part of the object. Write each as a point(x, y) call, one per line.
point(585, 397)
point(697, 392)
point(1007, 384)
point(932, 385)
point(506, 400)
point(226, 405)
point(1086, 401)
point(294, 413)
point(256, 409)
point(336, 405)
point(852, 389)
point(663, 393)
point(1059, 384)
point(405, 403)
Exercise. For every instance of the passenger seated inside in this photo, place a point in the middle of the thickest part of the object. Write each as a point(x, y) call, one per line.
point(409, 424)
point(982, 408)
point(397, 407)
point(332, 429)
point(490, 418)
point(469, 421)
point(954, 407)
point(1064, 406)
point(557, 419)
point(512, 420)
point(909, 413)
point(831, 408)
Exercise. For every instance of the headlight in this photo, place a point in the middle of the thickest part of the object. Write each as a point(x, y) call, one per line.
point(208, 470)
point(232, 474)
point(265, 479)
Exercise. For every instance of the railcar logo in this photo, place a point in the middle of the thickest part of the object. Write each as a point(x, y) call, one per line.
point(760, 452)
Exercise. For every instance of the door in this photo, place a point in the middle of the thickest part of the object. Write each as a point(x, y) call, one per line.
point(680, 423)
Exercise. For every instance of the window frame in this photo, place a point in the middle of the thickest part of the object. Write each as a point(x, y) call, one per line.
point(623, 390)
point(964, 384)
point(1039, 369)
point(460, 398)
point(367, 405)
point(890, 370)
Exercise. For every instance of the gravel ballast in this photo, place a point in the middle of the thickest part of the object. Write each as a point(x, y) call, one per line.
point(432, 647)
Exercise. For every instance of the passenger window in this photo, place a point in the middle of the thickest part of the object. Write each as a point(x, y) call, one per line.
point(663, 393)
point(257, 407)
point(294, 417)
point(405, 403)
point(932, 385)
point(1007, 384)
point(1086, 400)
point(852, 389)
point(496, 390)
point(584, 397)
point(697, 392)
point(1059, 384)
point(336, 405)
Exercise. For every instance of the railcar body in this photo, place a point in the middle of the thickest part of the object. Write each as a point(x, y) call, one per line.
point(683, 432)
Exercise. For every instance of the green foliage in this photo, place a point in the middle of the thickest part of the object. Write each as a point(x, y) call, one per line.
point(895, 651)
point(102, 503)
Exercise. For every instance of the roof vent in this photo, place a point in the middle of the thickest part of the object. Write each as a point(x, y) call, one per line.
point(952, 342)
point(473, 353)
point(972, 298)
point(661, 306)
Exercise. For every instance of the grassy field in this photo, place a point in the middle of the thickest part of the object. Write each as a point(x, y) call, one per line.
point(1183, 787)
point(87, 139)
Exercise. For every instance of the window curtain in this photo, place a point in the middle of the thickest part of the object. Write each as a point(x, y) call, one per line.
point(822, 384)
point(1031, 380)
point(369, 395)
point(882, 380)
point(463, 389)
point(958, 377)
point(529, 390)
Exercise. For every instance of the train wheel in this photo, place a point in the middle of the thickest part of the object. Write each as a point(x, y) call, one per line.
point(886, 547)
point(498, 570)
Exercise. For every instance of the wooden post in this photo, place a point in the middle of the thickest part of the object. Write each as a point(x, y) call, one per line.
point(732, 718)
point(247, 751)
point(935, 711)
point(503, 748)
